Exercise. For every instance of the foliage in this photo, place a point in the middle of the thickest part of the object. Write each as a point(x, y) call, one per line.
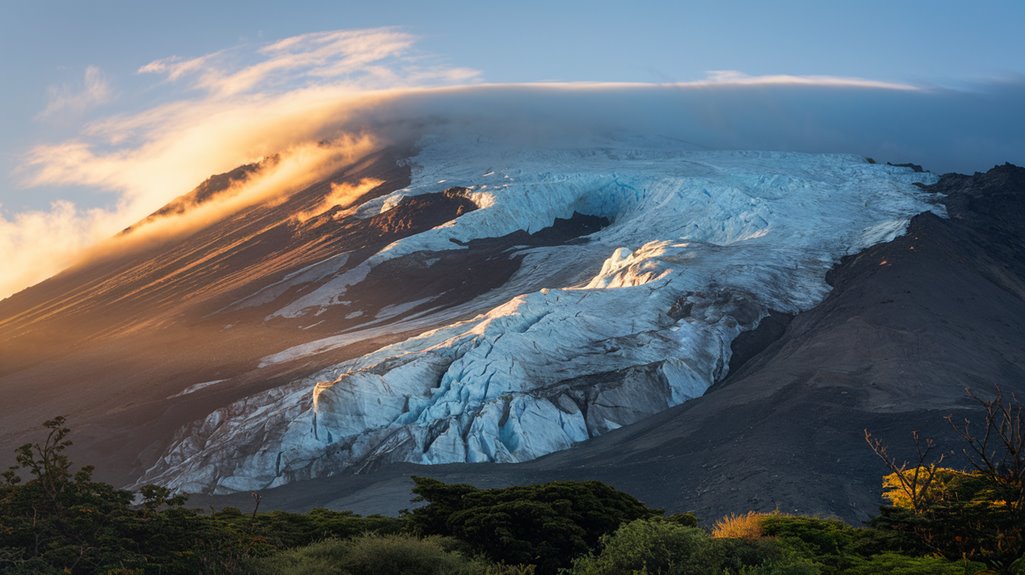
point(788, 566)
point(896, 564)
point(739, 526)
point(56, 520)
point(371, 554)
point(650, 546)
point(974, 515)
point(687, 519)
point(545, 525)
point(284, 530)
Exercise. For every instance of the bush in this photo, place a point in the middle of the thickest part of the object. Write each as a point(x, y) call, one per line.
point(741, 555)
point(380, 555)
point(665, 547)
point(283, 529)
point(650, 546)
point(733, 526)
point(54, 519)
point(895, 564)
point(795, 566)
point(545, 525)
point(366, 554)
point(831, 543)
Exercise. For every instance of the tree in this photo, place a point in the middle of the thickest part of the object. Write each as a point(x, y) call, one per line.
point(998, 450)
point(546, 525)
point(56, 516)
point(977, 514)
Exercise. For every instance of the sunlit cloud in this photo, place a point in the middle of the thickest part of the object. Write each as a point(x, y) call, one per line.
point(320, 100)
point(239, 105)
point(735, 78)
point(342, 195)
point(37, 243)
point(369, 58)
point(294, 168)
point(94, 91)
point(174, 67)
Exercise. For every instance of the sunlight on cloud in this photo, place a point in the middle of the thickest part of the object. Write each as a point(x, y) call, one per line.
point(293, 169)
point(286, 97)
point(736, 78)
point(342, 195)
point(371, 58)
point(36, 244)
point(316, 101)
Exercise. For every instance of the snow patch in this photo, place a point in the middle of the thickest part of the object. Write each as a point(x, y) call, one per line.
point(196, 387)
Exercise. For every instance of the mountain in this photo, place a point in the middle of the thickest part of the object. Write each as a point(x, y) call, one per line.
point(619, 310)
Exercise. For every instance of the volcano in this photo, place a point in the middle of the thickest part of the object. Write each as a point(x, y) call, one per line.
point(708, 330)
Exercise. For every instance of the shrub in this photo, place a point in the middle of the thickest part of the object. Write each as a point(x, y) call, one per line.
point(649, 547)
point(283, 529)
point(740, 555)
point(789, 566)
point(688, 519)
point(665, 547)
point(368, 555)
point(977, 514)
point(895, 564)
point(54, 519)
point(830, 542)
point(733, 526)
point(545, 525)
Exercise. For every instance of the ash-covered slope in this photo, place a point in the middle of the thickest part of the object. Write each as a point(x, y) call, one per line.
point(586, 337)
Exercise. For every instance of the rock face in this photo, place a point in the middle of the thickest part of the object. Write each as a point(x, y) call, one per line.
point(632, 319)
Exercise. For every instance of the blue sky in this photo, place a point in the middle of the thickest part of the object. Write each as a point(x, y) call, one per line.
point(103, 100)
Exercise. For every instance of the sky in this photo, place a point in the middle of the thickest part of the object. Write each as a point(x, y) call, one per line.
point(111, 108)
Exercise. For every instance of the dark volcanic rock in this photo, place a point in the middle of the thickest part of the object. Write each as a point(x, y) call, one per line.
point(914, 167)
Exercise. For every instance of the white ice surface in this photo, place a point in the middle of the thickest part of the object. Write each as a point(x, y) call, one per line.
point(701, 246)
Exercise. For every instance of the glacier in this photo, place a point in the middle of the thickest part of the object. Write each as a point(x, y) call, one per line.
point(585, 337)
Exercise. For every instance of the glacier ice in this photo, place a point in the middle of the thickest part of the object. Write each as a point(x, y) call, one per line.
point(700, 247)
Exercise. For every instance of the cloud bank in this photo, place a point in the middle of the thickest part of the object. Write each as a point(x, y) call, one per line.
point(362, 89)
